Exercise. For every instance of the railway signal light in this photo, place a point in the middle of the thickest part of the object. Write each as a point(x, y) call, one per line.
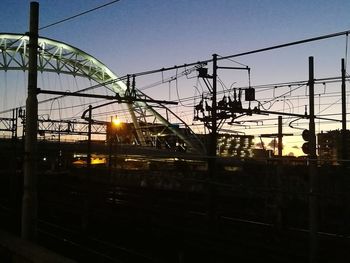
point(249, 94)
point(306, 138)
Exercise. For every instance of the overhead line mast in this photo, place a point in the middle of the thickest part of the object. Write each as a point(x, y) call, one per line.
point(29, 204)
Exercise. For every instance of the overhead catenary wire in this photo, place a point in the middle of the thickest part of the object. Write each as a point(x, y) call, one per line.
point(299, 42)
point(78, 15)
point(327, 95)
point(234, 61)
point(265, 87)
point(291, 97)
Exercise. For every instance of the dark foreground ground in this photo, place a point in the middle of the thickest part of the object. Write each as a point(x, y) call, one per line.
point(255, 213)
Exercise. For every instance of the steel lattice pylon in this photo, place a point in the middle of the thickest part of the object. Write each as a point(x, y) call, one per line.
point(61, 58)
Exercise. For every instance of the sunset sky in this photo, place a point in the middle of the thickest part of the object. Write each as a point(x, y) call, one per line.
point(136, 35)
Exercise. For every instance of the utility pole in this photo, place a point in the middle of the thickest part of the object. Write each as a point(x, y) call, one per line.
point(29, 203)
point(343, 103)
point(279, 197)
point(313, 180)
point(85, 216)
point(212, 147)
point(280, 135)
point(88, 161)
point(213, 136)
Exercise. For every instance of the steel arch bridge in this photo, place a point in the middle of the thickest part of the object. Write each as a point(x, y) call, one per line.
point(61, 58)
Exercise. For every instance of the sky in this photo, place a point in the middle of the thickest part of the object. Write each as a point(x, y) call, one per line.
point(137, 35)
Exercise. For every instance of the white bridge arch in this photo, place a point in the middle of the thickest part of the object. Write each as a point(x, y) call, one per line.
point(61, 58)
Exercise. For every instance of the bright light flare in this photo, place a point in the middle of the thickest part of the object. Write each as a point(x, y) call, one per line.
point(116, 121)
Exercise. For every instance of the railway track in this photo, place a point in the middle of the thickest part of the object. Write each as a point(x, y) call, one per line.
point(85, 248)
point(167, 226)
point(143, 224)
